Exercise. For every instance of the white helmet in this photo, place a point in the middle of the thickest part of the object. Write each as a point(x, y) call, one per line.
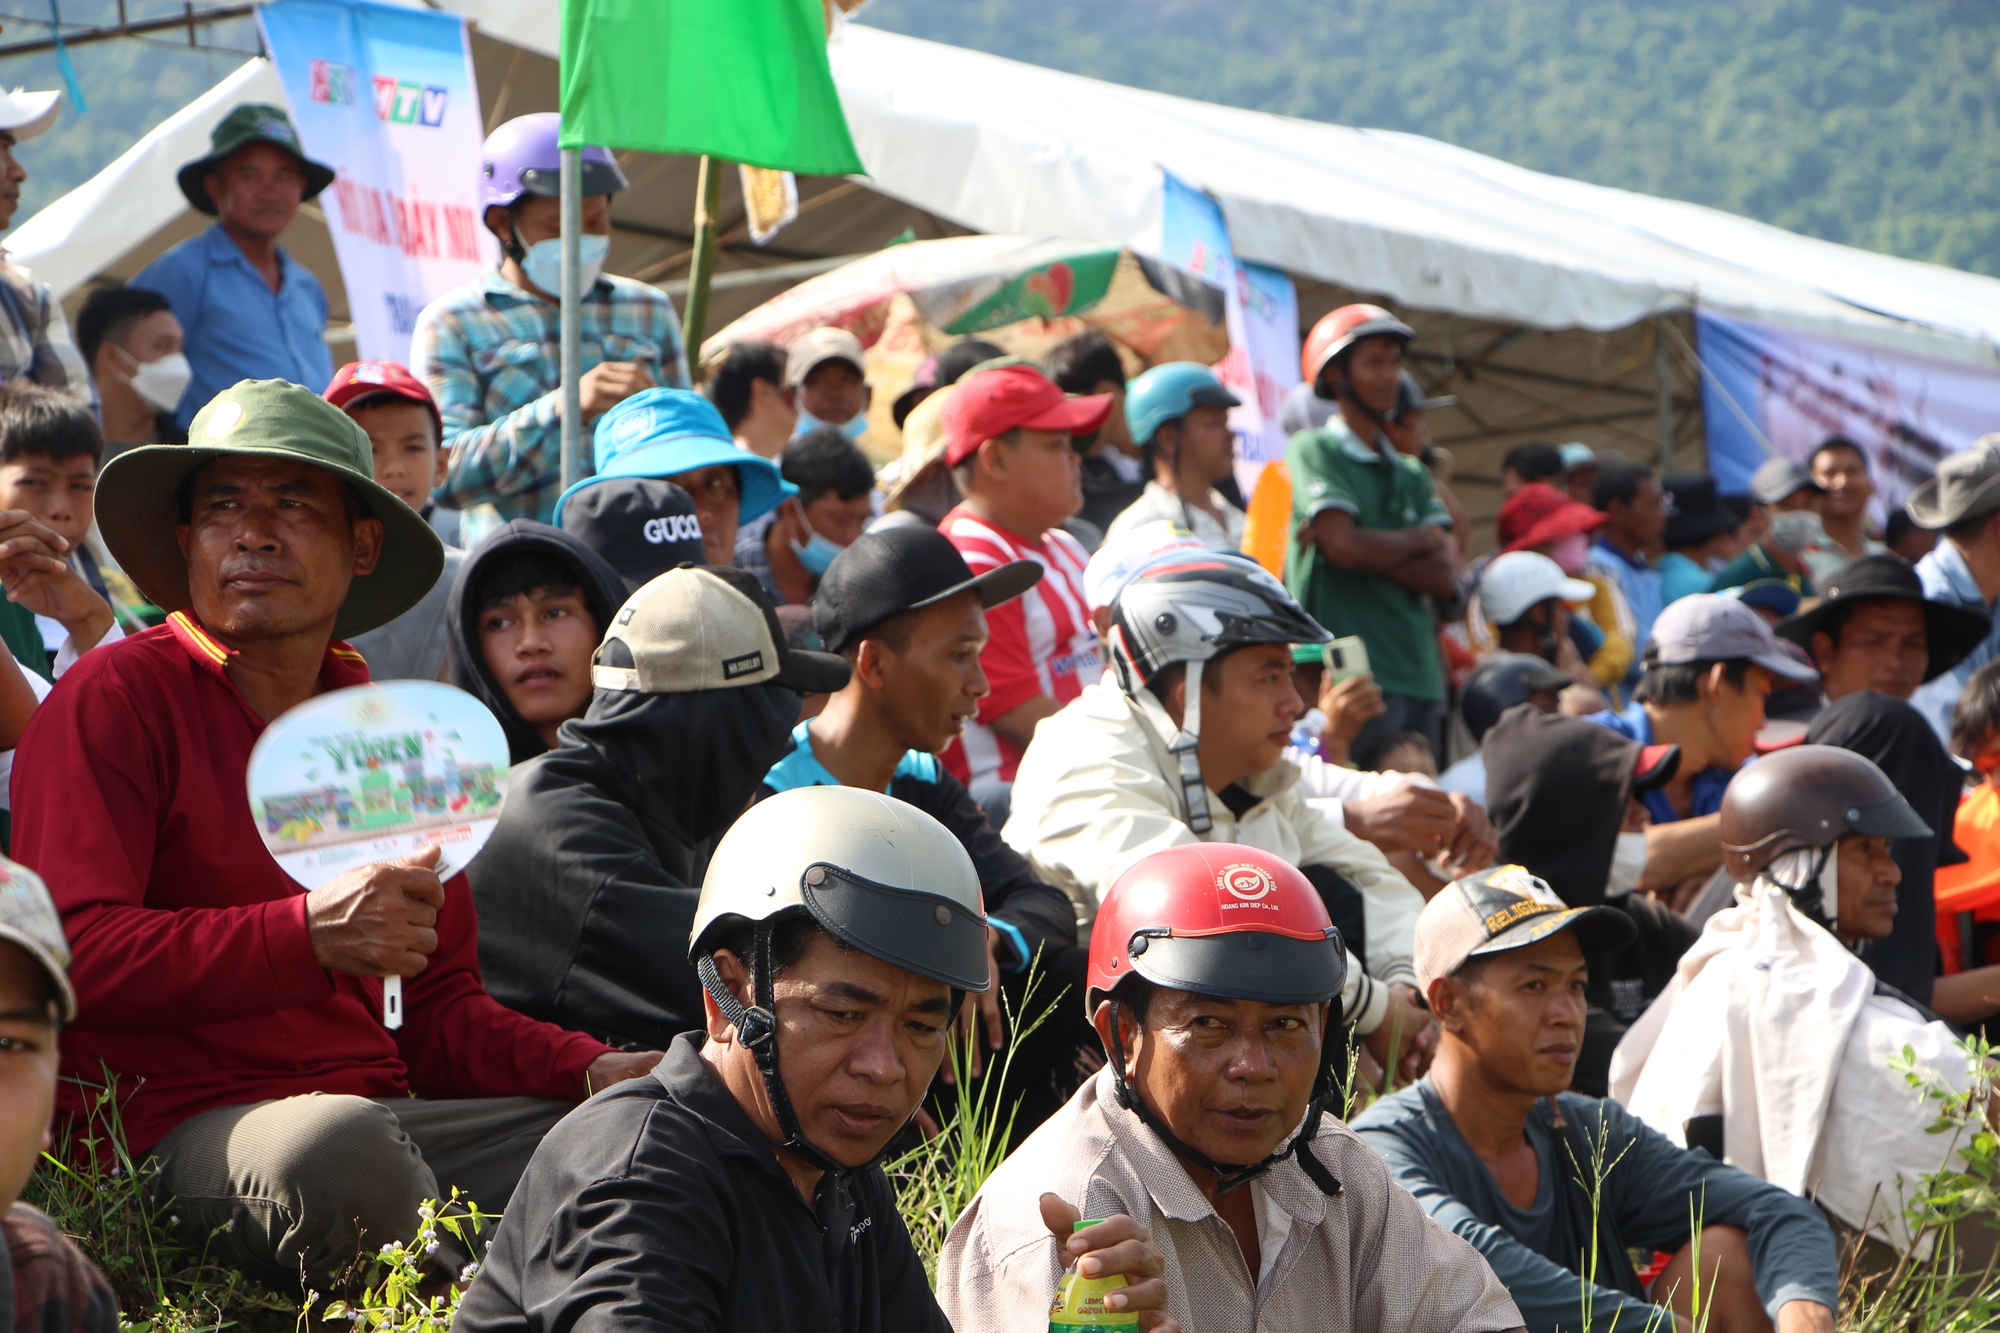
point(877, 874)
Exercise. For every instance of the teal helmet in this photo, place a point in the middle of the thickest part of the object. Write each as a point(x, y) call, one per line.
point(1169, 392)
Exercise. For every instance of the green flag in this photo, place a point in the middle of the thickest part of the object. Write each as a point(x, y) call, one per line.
point(745, 80)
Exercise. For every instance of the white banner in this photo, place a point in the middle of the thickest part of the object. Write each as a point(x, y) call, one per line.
point(386, 97)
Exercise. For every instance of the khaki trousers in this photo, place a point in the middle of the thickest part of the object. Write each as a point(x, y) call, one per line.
point(292, 1190)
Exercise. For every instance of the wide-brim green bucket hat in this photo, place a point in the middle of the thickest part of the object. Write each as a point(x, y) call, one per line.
point(139, 498)
point(253, 122)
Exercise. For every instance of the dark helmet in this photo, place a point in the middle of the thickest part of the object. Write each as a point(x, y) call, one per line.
point(1808, 796)
point(1500, 682)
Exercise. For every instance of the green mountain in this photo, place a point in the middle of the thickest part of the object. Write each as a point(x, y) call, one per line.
point(1875, 124)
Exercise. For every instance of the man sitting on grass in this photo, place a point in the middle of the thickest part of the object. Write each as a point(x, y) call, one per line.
point(55, 1288)
point(1493, 1146)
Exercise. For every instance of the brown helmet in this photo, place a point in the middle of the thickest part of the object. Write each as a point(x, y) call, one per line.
point(1808, 796)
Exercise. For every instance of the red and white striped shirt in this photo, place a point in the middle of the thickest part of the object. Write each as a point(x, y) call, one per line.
point(1040, 643)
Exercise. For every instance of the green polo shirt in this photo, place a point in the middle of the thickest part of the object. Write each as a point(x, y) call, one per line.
point(1385, 490)
point(1753, 565)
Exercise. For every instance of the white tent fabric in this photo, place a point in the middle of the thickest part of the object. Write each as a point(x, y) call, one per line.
point(69, 242)
point(1001, 147)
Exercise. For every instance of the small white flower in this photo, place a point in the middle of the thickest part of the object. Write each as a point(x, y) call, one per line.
point(390, 1250)
point(431, 1248)
point(469, 1272)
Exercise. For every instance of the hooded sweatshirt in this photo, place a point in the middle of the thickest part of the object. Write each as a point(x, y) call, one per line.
point(587, 889)
point(603, 592)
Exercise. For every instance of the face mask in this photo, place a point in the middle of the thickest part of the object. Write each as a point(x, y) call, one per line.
point(1628, 862)
point(818, 553)
point(1796, 530)
point(1570, 553)
point(162, 382)
point(1715, 564)
point(543, 262)
point(853, 428)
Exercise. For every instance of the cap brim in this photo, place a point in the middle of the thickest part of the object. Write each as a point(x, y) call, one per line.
point(995, 587)
point(1785, 668)
point(1780, 733)
point(1078, 416)
point(1598, 930)
point(58, 975)
point(137, 511)
point(1246, 965)
point(1950, 631)
point(190, 177)
point(813, 673)
point(1656, 767)
point(31, 114)
point(1214, 395)
point(762, 487)
point(1890, 818)
point(1576, 590)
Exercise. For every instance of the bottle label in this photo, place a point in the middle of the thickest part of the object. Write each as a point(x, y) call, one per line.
point(1079, 1305)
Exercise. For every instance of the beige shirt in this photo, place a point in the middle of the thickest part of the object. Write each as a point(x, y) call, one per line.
point(1369, 1258)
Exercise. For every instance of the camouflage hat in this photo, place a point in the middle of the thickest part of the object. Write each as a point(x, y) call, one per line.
point(29, 921)
point(252, 122)
point(139, 497)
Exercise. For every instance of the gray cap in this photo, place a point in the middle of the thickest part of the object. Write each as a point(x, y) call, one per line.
point(28, 919)
point(1501, 909)
point(1711, 628)
point(1776, 478)
point(1967, 485)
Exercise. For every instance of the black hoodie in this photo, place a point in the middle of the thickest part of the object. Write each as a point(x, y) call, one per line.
point(586, 891)
point(603, 590)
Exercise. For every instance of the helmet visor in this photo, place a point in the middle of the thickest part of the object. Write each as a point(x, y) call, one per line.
point(1244, 965)
point(925, 933)
point(1890, 817)
point(598, 178)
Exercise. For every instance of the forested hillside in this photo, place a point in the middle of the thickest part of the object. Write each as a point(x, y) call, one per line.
point(1875, 123)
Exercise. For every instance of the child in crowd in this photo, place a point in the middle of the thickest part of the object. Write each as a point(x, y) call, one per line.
point(522, 620)
point(401, 419)
point(828, 380)
point(54, 1287)
point(1396, 752)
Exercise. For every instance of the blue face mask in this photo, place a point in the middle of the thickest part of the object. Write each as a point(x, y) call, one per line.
point(543, 262)
point(818, 552)
point(853, 428)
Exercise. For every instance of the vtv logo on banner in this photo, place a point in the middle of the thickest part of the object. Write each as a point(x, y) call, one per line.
point(386, 96)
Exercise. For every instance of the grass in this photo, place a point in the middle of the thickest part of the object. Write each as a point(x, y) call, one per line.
point(167, 1283)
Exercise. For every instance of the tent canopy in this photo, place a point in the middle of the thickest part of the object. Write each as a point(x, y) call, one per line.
point(1553, 308)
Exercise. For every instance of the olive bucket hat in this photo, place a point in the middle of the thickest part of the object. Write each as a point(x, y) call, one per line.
point(139, 497)
point(253, 122)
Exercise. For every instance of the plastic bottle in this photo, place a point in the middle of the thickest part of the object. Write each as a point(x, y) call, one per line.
point(1079, 1302)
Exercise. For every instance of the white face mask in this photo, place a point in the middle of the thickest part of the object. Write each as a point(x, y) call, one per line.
point(161, 382)
point(853, 428)
point(1628, 863)
point(543, 263)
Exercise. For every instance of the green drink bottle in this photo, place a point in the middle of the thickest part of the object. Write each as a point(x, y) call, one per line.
point(1079, 1303)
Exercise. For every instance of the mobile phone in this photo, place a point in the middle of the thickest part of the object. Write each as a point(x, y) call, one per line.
point(1345, 657)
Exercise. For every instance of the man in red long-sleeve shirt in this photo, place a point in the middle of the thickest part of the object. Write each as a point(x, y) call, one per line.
point(238, 1017)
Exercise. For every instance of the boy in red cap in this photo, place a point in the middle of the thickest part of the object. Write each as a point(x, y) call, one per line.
point(1538, 517)
point(1008, 443)
point(404, 431)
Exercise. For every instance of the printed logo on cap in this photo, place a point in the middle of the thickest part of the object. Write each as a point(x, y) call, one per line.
point(1248, 885)
point(370, 373)
point(746, 665)
point(673, 528)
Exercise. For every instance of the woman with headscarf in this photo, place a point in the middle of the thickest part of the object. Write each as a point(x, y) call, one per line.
point(527, 611)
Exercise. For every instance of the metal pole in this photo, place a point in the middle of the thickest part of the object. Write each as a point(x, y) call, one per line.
point(572, 316)
point(708, 187)
point(1664, 387)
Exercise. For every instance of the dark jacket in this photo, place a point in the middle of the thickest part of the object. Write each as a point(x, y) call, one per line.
point(658, 1205)
point(586, 891)
point(1901, 744)
point(1030, 914)
point(602, 590)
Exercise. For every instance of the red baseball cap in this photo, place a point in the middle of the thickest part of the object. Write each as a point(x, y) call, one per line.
point(1539, 513)
point(365, 379)
point(994, 402)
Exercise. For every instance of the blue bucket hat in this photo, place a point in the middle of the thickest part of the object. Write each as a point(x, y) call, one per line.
point(665, 432)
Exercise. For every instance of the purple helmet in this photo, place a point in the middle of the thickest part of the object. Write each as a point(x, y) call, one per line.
point(523, 157)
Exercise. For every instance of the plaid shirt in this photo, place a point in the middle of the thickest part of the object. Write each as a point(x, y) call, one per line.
point(491, 354)
point(34, 336)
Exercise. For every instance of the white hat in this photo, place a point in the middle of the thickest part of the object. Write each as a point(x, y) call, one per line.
point(24, 114)
point(1520, 579)
point(817, 348)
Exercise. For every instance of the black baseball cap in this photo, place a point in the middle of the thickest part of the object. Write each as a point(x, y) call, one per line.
point(642, 526)
point(902, 568)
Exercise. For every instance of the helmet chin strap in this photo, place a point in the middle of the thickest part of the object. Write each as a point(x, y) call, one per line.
point(757, 1029)
point(1227, 1176)
point(1820, 888)
point(1343, 390)
point(1194, 792)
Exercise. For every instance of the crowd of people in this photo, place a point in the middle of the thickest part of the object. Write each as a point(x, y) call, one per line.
point(1646, 838)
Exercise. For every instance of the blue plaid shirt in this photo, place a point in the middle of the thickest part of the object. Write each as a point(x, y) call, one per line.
point(491, 354)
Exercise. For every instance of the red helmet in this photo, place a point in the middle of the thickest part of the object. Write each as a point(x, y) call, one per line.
point(1340, 330)
point(1217, 918)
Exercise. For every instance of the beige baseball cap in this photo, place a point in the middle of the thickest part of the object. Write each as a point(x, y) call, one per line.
point(702, 627)
point(820, 346)
point(28, 919)
point(1503, 908)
